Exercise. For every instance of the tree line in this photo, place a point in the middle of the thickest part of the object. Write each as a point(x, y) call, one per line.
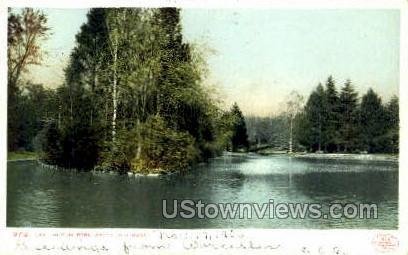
point(331, 121)
point(335, 121)
point(133, 98)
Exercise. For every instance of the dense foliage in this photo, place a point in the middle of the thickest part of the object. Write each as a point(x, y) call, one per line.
point(25, 32)
point(333, 122)
point(239, 139)
point(134, 100)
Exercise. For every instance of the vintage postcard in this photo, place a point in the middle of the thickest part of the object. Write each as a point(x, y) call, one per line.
point(181, 127)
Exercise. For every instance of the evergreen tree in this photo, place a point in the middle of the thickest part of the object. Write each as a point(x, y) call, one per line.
point(334, 123)
point(392, 120)
point(88, 63)
point(372, 122)
point(82, 115)
point(182, 101)
point(311, 134)
point(348, 117)
point(239, 138)
point(331, 117)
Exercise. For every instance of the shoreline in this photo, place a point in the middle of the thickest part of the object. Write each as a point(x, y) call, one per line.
point(15, 156)
point(324, 156)
point(100, 172)
point(348, 156)
point(22, 159)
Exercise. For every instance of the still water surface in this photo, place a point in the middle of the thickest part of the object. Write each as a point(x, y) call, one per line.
point(40, 197)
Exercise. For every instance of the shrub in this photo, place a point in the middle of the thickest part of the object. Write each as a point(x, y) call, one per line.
point(161, 149)
point(150, 147)
point(77, 146)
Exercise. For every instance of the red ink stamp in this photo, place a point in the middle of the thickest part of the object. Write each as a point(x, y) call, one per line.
point(385, 242)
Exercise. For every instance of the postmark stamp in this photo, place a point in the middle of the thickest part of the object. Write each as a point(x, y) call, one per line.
point(384, 242)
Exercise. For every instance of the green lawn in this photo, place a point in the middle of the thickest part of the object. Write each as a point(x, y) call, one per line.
point(19, 155)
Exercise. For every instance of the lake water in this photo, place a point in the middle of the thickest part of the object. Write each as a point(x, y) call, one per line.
point(40, 197)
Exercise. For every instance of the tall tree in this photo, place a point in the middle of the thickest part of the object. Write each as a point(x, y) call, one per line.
point(348, 116)
point(82, 112)
point(372, 121)
point(239, 138)
point(116, 19)
point(294, 105)
point(331, 118)
point(26, 31)
point(88, 62)
point(313, 120)
point(392, 118)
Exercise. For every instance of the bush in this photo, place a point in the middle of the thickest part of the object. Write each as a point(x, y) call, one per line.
point(151, 147)
point(75, 147)
point(162, 149)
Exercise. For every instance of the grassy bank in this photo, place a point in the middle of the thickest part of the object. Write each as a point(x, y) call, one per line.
point(21, 155)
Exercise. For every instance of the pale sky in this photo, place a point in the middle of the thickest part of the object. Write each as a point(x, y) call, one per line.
point(262, 55)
